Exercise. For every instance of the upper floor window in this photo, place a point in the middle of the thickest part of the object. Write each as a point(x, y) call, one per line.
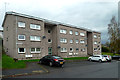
point(63, 31)
point(21, 37)
point(63, 49)
point(82, 34)
point(34, 26)
point(76, 33)
point(71, 49)
point(83, 49)
point(71, 41)
point(49, 31)
point(70, 32)
point(77, 49)
point(21, 50)
point(76, 41)
point(95, 36)
point(49, 40)
point(95, 49)
point(63, 40)
point(21, 24)
point(82, 41)
point(35, 50)
point(95, 42)
point(35, 38)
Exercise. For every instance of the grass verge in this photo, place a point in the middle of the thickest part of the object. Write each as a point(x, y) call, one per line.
point(106, 53)
point(76, 58)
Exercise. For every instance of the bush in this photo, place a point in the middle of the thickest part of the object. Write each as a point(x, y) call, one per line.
point(105, 49)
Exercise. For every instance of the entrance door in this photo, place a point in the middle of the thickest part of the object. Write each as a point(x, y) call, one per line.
point(49, 50)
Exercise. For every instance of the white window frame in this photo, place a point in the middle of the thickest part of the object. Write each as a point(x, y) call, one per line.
point(71, 41)
point(34, 26)
point(63, 40)
point(63, 31)
point(77, 41)
point(71, 32)
point(95, 42)
point(22, 52)
point(35, 51)
point(71, 50)
point(95, 36)
point(64, 50)
point(21, 35)
point(76, 33)
point(35, 38)
point(82, 41)
point(19, 24)
point(82, 34)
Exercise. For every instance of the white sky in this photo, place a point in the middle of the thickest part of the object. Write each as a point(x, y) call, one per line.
point(91, 14)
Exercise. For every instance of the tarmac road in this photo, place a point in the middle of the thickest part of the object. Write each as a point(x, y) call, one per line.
point(82, 69)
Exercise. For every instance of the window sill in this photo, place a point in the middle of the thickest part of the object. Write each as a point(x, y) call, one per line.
point(35, 41)
point(63, 51)
point(21, 52)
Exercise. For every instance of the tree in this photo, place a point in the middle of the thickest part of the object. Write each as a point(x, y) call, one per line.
point(114, 35)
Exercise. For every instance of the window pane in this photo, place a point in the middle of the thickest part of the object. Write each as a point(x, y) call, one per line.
point(38, 49)
point(82, 34)
point(21, 24)
point(21, 50)
point(32, 49)
point(38, 27)
point(21, 37)
point(32, 37)
point(76, 33)
point(37, 38)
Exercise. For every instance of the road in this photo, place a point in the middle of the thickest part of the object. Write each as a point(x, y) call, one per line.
point(82, 69)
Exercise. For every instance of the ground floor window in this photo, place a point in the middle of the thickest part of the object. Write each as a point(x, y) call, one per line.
point(63, 49)
point(83, 49)
point(35, 50)
point(21, 50)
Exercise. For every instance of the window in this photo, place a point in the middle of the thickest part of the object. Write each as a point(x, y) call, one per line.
point(21, 37)
point(76, 33)
point(21, 24)
point(34, 26)
point(98, 36)
point(63, 31)
point(70, 32)
point(35, 50)
point(76, 41)
point(95, 42)
point(82, 34)
point(6, 28)
point(71, 49)
point(83, 50)
point(7, 39)
point(63, 40)
point(63, 50)
point(35, 38)
point(71, 41)
point(82, 41)
point(95, 49)
point(95, 36)
point(49, 40)
point(21, 50)
point(77, 49)
point(49, 31)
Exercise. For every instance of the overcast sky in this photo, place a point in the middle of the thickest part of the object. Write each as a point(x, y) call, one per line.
point(91, 14)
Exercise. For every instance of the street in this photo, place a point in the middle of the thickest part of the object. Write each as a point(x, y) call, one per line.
point(82, 69)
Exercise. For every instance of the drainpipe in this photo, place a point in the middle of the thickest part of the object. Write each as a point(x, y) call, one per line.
point(16, 36)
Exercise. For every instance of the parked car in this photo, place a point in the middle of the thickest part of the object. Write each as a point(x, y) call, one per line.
point(116, 57)
point(108, 57)
point(52, 60)
point(99, 58)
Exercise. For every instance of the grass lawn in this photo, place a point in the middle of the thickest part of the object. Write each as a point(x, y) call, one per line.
point(105, 53)
point(9, 63)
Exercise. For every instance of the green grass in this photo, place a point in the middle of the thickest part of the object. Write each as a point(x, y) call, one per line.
point(76, 58)
point(9, 63)
point(106, 53)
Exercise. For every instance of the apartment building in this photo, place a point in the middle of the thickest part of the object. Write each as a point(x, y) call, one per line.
point(29, 37)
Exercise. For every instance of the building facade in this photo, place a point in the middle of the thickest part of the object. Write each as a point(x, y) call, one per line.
point(29, 37)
